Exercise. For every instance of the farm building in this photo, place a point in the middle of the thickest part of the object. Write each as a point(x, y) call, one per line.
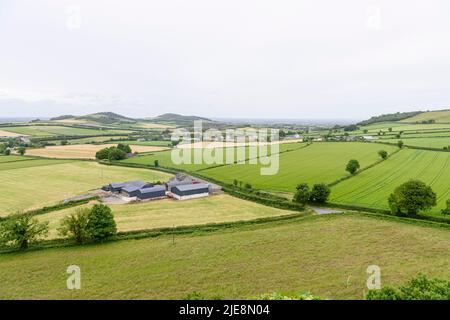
point(190, 191)
point(178, 180)
point(155, 192)
point(129, 186)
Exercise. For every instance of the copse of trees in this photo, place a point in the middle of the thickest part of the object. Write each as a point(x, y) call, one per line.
point(318, 194)
point(113, 153)
point(86, 224)
point(383, 154)
point(411, 197)
point(22, 230)
point(352, 166)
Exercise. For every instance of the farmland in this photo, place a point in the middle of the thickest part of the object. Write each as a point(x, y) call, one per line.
point(321, 162)
point(146, 143)
point(427, 142)
point(165, 157)
point(371, 188)
point(441, 116)
point(171, 213)
point(82, 151)
point(317, 254)
point(43, 131)
point(30, 184)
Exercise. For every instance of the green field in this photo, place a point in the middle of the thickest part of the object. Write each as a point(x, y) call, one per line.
point(406, 127)
point(172, 213)
point(442, 116)
point(98, 139)
point(43, 131)
point(165, 157)
point(429, 142)
point(326, 255)
point(322, 162)
point(371, 188)
point(33, 184)
point(146, 143)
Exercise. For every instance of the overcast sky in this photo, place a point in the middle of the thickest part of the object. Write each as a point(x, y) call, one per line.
point(228, 58)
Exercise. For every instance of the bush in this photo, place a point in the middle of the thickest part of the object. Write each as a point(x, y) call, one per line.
point(101, 224)
point(352, 166)
point(412, 197)
point(76, 226)
point(156, 163)
point(248, 186)
point(446, 211)
point(7, 152)
point(303, 193)
point(22, 230)
point(400, 144)
point(383, 154)
point(418, 288)
point(320, 193)
point(21, 151)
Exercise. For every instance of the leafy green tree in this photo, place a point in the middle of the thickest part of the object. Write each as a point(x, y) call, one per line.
point(102, 154)
point(75, 226)
point(124, 147)
point(7, 152)
point(156, 163)
point(446, 211)
point(418, 288)
point(352, 166)
point(411, 197)
point(64, 142)
point(383, 154)
point(365, 130)
point(390, 129)
point(400, 144)
point(303, 193)
point(116, 154)
point(101, 224)
point(320, 193)
point(21, 151)
point(22, 230)
point(235, 182)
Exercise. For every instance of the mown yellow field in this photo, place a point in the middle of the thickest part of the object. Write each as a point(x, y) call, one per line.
point(168, 213)
point(4, 133)
point(82, 151)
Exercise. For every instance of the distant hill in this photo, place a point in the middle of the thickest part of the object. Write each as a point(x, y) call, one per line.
point(173, 117)
point(99, 117)
point(390, 117)
point(439, 116)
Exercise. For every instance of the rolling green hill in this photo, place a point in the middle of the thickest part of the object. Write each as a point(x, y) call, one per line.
point(439, 116)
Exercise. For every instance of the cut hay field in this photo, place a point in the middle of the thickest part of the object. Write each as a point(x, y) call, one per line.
point(165, 157)
point(442, 116)
point(32, 184)
point(371, 188)
point(326, 255)
point(82, 151)
point(43, 131)
point(172, 213)
point(322, 162)
point(9, 134)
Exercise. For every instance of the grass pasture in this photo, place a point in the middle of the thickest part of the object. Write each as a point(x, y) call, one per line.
point(44, 131)
point(146, 143)
point(326, 255)
point(427, 142)
point(32, 184)
point(171, 213)
point(371, 188)
point(82, 151)
point(441, 116)
point(322, 162)
point(406, 127)
point(165, 157)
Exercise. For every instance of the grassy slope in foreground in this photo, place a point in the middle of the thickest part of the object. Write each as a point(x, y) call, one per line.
point(371, 188)
point(25, 186)
point(442, 116)
point(168, 213)
point(327, 255)
point(321, 162)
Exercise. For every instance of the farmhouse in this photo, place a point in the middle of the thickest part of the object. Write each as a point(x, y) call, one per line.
point(190, 191)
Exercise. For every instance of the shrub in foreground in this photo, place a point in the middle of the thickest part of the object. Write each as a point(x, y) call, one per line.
point(75, 226)
point(411, 197)
point(22, 230)
point(418, 288)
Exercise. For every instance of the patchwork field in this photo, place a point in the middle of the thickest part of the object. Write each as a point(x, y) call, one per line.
point(171, 213)
point(82, 151)
point(31, 184)
point(97, 139)
point(406, 127)
point(429, 142)
point(441, 116)
point(326, 255)
point(9, 134)
point(165, 157)
point(371, 188)
point(146, 143)
point(322, 162)
point(42, 131)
